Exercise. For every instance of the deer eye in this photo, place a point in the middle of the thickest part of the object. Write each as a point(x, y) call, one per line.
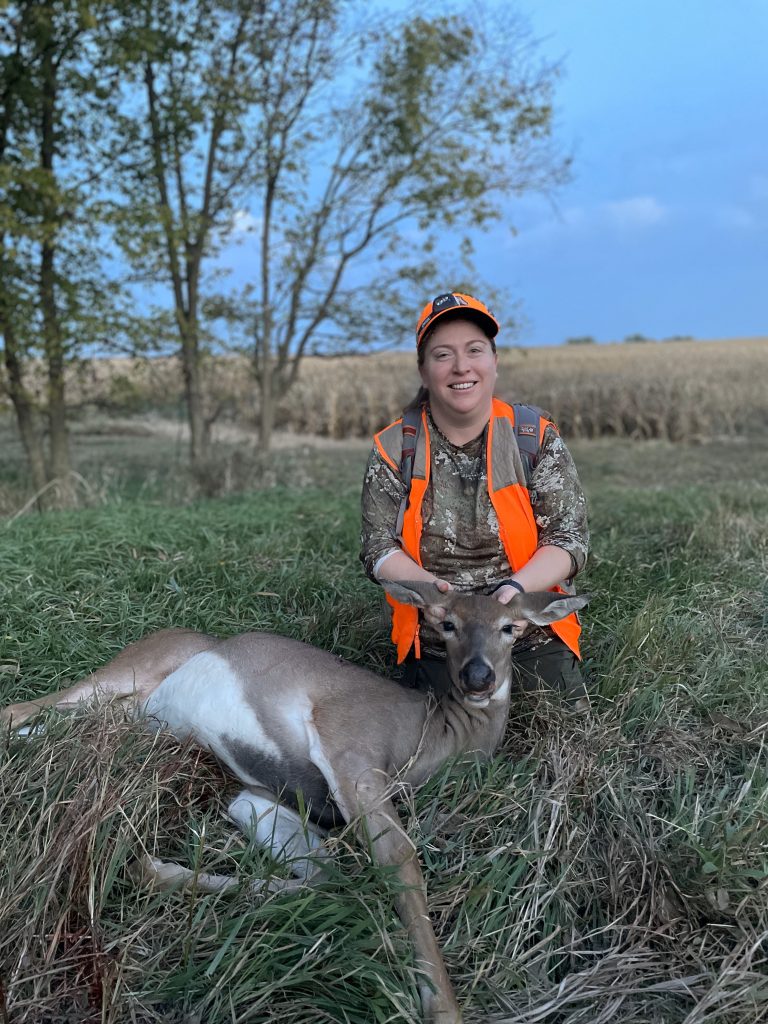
point(448, 626)
point(509, 629)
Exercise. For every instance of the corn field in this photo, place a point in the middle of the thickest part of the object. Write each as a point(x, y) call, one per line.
point(679, 391)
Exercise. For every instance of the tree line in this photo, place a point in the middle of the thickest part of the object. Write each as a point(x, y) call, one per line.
point(139, 138)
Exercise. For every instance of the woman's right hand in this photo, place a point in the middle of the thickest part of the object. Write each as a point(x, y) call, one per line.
point(398, 567)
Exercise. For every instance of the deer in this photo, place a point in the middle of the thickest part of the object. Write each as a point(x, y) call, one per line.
point(300, 727)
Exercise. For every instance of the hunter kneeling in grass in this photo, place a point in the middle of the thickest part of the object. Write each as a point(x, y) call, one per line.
point(475, 495)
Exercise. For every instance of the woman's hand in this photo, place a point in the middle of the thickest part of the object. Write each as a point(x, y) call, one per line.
point(504, 595)
point(397, 567)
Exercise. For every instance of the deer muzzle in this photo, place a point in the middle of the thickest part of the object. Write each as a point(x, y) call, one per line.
point(477, 679)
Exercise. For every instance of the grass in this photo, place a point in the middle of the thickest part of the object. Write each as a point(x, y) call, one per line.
point(611, 869)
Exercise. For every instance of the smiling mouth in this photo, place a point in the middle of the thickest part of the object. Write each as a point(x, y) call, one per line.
point(464, 386)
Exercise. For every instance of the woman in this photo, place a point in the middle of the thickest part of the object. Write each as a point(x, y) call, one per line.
point(432, 515)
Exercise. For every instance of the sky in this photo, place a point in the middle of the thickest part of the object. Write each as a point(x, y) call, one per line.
point(663, 229)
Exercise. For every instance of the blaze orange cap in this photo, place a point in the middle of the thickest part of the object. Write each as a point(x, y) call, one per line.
point(455, 302)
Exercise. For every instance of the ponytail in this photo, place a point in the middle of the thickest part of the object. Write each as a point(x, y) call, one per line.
point(419, 399)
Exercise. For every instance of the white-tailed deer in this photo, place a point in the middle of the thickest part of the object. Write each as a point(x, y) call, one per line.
point(285, 717)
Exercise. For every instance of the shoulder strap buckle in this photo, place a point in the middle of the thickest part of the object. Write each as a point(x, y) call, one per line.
point(528, 434)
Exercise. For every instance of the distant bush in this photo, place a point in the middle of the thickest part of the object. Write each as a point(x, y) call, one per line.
point(680, 337)
point(582, 339)
point(124, 394)
point(637, 337)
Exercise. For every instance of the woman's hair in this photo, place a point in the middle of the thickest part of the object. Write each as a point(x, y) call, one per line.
point(419, 399)
point(422, 395)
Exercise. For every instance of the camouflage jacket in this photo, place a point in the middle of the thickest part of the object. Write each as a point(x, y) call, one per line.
point(460, 540)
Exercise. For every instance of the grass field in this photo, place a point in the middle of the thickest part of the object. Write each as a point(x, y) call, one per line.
point(607, 869)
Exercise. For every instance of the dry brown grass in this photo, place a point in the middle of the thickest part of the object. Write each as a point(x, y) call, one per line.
point(677, 391)
point(566, 881)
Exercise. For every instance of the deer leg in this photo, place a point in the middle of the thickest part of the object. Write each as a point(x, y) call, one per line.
point(379, 824)
point(361, 793)
point(163, 874)
point(133, 673)
point(16, 715)
point(281, 831)
point(278, 829)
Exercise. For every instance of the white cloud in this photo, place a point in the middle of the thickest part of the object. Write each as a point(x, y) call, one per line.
point(243, 222)
point(635, 212)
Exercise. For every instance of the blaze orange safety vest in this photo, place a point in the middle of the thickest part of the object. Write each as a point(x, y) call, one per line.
point(509, 497)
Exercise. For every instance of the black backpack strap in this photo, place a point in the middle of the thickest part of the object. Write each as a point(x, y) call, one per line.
point(527, 432)
point(411, 427)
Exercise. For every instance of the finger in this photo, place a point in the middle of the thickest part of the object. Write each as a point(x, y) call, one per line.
point(443, 586)
point(504, 594)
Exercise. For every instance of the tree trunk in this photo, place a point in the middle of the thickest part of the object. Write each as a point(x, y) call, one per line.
point(266, 390)
point(31, 438)
point(266, 419)
point(61, 468)
point(199, 431)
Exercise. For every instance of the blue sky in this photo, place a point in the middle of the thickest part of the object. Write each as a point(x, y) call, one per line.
point(664, 228)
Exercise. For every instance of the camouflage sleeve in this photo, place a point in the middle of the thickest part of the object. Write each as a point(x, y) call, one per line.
point(383, 492)
point(559, 505)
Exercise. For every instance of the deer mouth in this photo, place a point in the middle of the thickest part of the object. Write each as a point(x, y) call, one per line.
point(479, 698)
point(477, 680)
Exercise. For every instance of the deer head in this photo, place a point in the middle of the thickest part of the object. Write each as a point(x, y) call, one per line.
point(479, 632)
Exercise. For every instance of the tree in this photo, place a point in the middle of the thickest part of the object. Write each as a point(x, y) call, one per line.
point(422, 144)
point(50, 291)
point(339, 143)
point(186, 156)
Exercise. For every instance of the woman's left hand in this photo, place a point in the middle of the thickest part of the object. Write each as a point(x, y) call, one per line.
point(504, 595)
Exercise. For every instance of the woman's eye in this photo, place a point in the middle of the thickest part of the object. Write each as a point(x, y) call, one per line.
point(509, 629)
point(448, 627)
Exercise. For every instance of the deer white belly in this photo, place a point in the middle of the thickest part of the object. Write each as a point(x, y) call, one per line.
point(204, 701)
point(262, 740)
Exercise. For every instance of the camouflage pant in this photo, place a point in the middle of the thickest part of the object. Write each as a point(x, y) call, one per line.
point(548, 666)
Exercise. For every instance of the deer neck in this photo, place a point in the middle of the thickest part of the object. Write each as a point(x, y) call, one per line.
point(454, 727)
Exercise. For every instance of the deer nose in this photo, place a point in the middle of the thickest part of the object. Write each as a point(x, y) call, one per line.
point(477, 675)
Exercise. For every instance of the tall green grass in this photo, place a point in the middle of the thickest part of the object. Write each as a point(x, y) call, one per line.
point(607, 869)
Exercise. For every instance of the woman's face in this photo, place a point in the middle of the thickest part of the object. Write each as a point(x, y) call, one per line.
point(459, 368)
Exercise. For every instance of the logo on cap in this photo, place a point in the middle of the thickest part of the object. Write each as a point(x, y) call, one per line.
point(447, 301)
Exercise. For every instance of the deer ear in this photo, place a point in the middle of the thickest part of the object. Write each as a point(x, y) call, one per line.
point(545, 607)
point(422, 595)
